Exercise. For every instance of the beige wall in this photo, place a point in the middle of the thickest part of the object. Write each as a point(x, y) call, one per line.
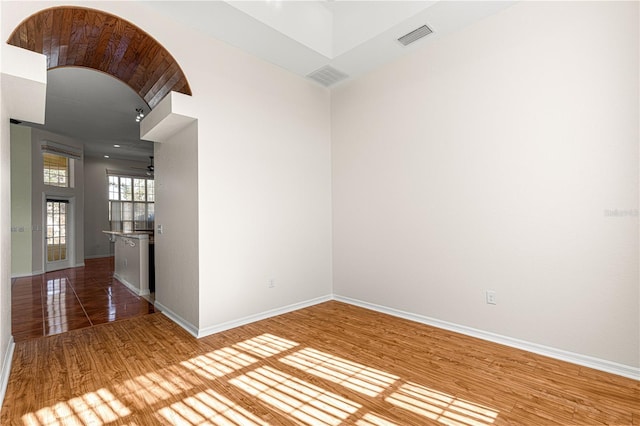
point(94, 210)
point(21, 227)
point(40, 192)
point(24, 74)
point(6, 341)
point(492, 159)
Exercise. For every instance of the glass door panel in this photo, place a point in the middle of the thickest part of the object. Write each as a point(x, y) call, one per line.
point(56, 243)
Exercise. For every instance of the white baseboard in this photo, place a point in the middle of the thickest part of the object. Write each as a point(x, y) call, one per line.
point(190, 328)
point(79, 265)
point(97, 256)
point(260, 316)
point(197, 332)
point(32, 274)
point(6, 369)
point(560, 354)
point(130, 286)
point(572, 357)
point(23, 275)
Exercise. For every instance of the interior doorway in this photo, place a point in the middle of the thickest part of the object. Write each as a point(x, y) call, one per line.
point(137, 52)
point(58, 242)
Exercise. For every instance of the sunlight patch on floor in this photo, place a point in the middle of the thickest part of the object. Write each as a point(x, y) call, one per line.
point(93, 408)
point(297, 398)
point(441, 407)
point(219, 363)
point(266, 345)
point(371, 419)
point(354, 376)
point(209, 405)
point(182, 393)
point(154, 386)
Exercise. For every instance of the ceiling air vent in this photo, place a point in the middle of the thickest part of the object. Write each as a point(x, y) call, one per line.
point(415, 35)
point(327, 76)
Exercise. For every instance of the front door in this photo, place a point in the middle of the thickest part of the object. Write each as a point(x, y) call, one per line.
point(57, 241)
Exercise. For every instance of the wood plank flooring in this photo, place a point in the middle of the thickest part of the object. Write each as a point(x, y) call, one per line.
point(69, 299)
point(330, 364)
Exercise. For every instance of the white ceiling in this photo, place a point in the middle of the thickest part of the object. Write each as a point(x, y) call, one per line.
point(96, 109)
point(353, 36)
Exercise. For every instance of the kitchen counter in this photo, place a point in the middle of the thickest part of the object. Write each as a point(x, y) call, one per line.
point(132, 259)
point(135, 235)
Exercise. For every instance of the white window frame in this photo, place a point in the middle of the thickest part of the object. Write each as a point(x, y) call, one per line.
point(122, 207)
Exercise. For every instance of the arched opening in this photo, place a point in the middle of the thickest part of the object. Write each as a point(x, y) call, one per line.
point(72, 37)
point(81, 37)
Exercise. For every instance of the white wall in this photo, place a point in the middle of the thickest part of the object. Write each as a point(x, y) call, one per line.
point(21, 227)
point(489, 160)
point(176, 210)
point(264, 179)
point(486, 160)
point(131, 262)
point(265, 188)
point(96, 202)
point(263, 170)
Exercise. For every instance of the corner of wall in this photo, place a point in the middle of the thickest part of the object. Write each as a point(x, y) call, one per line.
point(5, 369)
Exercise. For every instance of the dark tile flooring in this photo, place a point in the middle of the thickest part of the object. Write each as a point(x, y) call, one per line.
point(64, 300)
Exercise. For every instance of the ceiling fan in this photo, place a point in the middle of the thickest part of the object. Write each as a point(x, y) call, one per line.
point(149, 169)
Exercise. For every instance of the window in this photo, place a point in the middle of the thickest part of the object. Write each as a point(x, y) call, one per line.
point(131, 203)
point(55, 170)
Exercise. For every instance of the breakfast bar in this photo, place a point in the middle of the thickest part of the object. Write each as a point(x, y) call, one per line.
point(133, 252)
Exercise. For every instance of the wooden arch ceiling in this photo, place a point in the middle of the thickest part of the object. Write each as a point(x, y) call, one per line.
point(81, 37)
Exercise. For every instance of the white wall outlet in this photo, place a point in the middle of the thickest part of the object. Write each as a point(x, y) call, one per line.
point(491, 297)
point(272, 283)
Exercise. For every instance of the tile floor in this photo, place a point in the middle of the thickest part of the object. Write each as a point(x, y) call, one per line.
point(69, 299)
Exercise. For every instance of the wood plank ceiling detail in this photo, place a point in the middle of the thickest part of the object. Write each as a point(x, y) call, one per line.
point(82, 37)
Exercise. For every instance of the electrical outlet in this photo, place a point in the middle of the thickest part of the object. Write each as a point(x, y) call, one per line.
point(491, 297)
point(272, 283)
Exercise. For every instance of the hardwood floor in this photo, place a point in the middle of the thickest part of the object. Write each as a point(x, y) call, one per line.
point(69, 299)
point(330, 364)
